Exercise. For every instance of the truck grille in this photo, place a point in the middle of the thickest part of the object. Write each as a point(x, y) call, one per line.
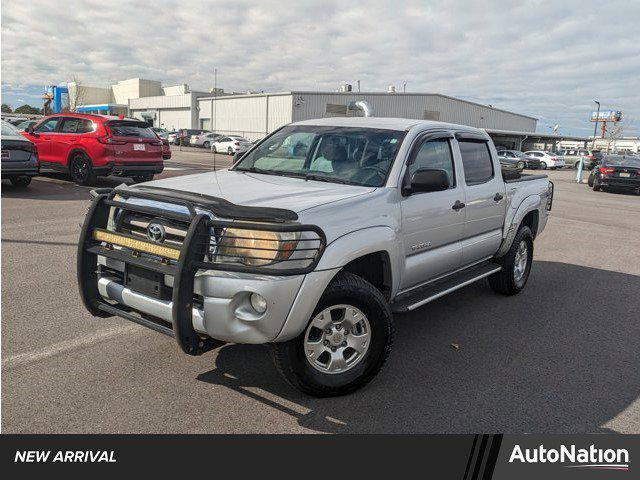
point(138, 225)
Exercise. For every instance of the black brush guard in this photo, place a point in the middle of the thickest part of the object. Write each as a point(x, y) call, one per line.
point(193, 253)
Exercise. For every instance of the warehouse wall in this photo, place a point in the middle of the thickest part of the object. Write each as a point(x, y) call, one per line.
point(309, 105)
point(250, 116)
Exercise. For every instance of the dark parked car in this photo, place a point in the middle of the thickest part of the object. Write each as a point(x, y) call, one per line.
point(514, 158)
point(19, 157)
point(616, 171)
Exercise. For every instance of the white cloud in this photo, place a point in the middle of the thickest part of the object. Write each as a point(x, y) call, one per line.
point(548, 59)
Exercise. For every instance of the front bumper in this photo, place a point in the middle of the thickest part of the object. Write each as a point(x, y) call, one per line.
point(198, 300)
point(225, 312)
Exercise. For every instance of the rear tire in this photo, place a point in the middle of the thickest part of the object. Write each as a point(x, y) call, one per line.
point(213, 149)
point(20, 182)
point(516, 265)
point(298, 365)
point(596, 185)
point(206, 145)
point(229, 151)
point(81, 170)
point(543, 166)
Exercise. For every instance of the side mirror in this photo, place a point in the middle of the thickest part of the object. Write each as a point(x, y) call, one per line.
point(29, 130)
point(428, 180)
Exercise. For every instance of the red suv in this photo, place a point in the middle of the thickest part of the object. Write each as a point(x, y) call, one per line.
point(86, 146)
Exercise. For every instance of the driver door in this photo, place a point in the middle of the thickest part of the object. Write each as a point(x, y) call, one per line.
point(42, 135)
point(432, 228)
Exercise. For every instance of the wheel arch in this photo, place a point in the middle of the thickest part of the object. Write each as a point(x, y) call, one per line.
point(352, 252)
point(73, 152)
point(528, 213)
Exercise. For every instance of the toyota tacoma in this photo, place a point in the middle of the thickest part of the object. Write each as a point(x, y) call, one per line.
point(312, 241)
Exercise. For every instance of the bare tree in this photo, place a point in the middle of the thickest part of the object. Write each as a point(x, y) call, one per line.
point(617, 132)
point(76, 93)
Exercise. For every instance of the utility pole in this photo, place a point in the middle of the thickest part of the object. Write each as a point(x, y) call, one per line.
point(595, 128)
point(214, 112)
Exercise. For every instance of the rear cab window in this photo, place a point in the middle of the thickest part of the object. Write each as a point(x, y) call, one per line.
point(476, 162)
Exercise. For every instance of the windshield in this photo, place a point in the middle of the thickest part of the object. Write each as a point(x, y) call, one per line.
point(357, 156)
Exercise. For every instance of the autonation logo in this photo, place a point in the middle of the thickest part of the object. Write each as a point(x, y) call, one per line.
point(590, 458)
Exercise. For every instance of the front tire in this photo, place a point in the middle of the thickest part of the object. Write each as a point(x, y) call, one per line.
point(81, 170)
point(345, 344)
point(516, 265)
point(520, 165)
point(206, 145)
point(229, 151)
point(543, 166)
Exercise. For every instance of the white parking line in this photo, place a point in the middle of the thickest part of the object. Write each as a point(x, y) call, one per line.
point(66, 346)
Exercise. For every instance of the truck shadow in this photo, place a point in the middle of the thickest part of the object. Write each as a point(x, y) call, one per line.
point(61, 190)
point(560, 357)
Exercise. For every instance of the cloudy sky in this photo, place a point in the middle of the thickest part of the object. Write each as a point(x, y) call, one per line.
point(548, 59)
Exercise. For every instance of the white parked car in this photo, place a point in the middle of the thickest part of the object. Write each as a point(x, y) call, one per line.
point(204, 140)
point(548, 159)
point(230, 144)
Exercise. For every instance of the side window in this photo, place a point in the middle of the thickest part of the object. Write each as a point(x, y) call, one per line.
point(69, 125)
point(476, 161)
point(84, 126)
point(48, 125)
point(434, 154)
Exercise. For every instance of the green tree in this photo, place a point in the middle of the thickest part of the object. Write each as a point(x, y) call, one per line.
point(27, 110)
point(6, 108)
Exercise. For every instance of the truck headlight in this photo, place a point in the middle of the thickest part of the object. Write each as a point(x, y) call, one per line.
point(256, 247)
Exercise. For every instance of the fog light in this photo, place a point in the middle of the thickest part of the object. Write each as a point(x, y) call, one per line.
point(258, 303)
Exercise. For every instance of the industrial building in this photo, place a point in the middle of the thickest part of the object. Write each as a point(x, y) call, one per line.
point(172, 107)
point(256, 115)
point(176, 109)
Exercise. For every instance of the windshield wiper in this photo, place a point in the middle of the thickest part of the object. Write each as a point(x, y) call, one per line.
point(326, 178)
point(280, 173)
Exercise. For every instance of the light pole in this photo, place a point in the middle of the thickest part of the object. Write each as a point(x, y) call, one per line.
point(595, 129)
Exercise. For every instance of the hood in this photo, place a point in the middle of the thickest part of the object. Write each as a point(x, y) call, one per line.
point(258, 190)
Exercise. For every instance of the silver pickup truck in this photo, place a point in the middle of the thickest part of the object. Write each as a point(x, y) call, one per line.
point(312, 241)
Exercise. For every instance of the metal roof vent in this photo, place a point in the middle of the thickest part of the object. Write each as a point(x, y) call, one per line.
point(362, 105)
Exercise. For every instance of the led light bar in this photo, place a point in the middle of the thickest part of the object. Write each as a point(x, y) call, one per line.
point(142, 246)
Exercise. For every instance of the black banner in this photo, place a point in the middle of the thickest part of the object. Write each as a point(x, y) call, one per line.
point(460, 457)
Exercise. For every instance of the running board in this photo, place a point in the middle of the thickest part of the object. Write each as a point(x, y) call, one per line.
point(421, 296)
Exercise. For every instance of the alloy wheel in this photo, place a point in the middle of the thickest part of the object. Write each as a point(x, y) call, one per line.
point(337, 339)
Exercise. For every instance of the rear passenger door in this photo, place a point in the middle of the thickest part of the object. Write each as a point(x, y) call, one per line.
point(485, 203)
point(431, 228)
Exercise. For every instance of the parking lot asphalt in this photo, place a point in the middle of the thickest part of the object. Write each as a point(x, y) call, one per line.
point(560, 357)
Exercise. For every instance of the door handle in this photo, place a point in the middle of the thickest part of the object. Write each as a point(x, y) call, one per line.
point(458, 205)
point(498, 197)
